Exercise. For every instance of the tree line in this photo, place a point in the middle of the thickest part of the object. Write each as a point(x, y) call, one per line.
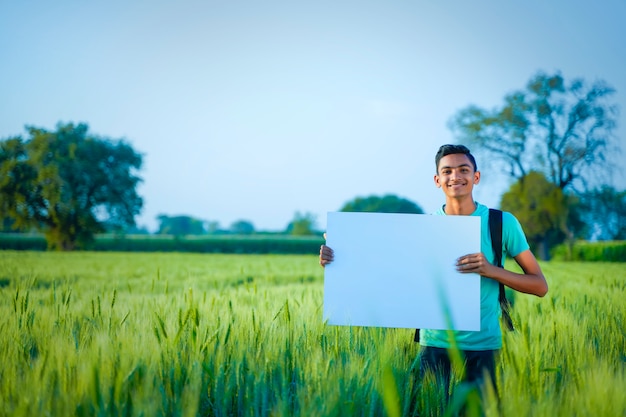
point(554, 139)
point(302, 224)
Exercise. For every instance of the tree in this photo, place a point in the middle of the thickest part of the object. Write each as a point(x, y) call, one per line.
point(242, 227)
point(302, 224)
point(564, 130)
point(545, 211)
point(68, 183)
point(180, 225)
point(605, 212)
point(7, 225)
point(213, 227)
point(385, 204)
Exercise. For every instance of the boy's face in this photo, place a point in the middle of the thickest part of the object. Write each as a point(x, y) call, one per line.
point(456, 175)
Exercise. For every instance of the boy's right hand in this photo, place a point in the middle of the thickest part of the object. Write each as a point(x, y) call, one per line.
point(326, 254)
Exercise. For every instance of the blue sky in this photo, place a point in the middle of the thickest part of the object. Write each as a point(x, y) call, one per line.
point(255, 110)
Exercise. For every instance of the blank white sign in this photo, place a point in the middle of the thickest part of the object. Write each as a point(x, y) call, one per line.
point(398, 270)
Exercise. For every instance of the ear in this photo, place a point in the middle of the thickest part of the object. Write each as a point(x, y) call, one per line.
point(437, 183)
point(476, 177)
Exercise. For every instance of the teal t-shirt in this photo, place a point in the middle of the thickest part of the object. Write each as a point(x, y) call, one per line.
point(490, 336)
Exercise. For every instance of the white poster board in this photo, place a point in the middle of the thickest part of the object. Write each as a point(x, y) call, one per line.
point(398, 270)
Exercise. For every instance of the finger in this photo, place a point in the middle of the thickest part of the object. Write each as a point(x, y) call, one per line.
point(465, 267)
point(325, 261)
point(463, 259)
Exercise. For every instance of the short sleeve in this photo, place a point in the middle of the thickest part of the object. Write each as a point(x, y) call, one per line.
point(513, 236)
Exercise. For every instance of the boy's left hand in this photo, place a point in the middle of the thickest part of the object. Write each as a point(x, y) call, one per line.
point(475, 263)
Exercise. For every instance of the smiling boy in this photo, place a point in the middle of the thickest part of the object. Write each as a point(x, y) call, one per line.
point(457, 174)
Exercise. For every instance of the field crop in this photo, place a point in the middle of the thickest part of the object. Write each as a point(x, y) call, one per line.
point(170, 334)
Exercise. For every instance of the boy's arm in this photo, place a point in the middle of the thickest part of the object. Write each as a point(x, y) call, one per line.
point(531, 281)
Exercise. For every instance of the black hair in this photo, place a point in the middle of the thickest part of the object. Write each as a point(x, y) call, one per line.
point(454, 149)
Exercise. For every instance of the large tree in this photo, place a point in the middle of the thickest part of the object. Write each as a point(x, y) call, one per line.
point(68, 183)
point(562, 129)
point(386, 204)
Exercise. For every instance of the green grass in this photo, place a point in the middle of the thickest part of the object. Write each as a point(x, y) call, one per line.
point(149, 334)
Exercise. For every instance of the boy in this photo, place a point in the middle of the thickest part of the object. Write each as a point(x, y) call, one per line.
point(456, 174)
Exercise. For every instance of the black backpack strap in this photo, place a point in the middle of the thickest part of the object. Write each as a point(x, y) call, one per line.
point(495, 231)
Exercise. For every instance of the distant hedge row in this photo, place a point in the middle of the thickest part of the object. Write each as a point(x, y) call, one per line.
point(614, 251)
point(241, 244)
point(606, 251)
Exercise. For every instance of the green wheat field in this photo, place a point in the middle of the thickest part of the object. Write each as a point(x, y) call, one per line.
point(170, 334)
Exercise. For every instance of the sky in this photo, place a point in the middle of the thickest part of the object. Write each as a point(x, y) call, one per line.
point(256, 110)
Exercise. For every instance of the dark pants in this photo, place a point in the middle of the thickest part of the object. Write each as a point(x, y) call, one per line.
point(477, 362)
point(432, 396)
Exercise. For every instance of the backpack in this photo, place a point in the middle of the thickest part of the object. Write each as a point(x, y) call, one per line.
point(495, 230)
